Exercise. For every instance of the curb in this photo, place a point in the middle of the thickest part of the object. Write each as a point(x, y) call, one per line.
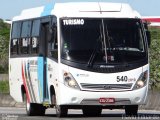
point(7, 101)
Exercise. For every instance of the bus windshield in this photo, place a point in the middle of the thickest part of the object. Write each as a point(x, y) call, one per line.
point(102, 41)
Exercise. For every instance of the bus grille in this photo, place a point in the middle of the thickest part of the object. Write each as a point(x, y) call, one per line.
point(104, 87)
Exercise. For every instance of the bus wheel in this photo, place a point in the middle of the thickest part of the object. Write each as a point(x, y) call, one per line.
point(29, 108)
point(33, 109)
point(61, 111)
point(40, 109)
point(92, 110)
point(131, 110)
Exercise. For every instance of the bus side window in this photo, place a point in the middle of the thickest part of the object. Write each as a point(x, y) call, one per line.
point(14, 46)
point(15, 35)
point(53, 44)
point(34, 45)
point(25, 36)
point(25, 43)
point(35, 36)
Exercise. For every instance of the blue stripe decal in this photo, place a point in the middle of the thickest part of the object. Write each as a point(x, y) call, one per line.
point(40, 77)
point(47, 10)
point(47, 90)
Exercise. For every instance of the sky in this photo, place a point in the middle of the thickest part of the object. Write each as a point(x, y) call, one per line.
point(11, 8)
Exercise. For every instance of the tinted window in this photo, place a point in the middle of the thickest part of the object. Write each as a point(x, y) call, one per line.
point(26, 29)
point(35, 27)
point(14, 46)
point(34, 45)
point(102, 41)
point(16, 30)
point(53, 44)
point(25, 42)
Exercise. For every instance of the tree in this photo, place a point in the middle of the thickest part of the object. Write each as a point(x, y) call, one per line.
point(4, 46)
point(155, 58)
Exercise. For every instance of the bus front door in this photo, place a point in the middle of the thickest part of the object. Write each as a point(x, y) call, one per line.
point(42, 62)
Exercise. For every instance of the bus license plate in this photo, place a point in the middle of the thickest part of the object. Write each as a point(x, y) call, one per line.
point(106, 100)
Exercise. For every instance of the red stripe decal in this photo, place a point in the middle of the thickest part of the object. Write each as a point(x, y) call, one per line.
point(152, 19)
point(25, 85)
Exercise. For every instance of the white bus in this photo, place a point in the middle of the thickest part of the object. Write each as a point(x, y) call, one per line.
point(87, 55)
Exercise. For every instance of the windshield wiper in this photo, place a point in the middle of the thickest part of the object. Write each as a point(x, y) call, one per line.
point(91, 59)
point(108, 37)
point(104, 40)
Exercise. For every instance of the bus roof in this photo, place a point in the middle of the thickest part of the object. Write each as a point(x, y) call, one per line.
point(81, 9)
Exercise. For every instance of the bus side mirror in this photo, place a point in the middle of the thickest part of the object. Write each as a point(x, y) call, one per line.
point(148, 34)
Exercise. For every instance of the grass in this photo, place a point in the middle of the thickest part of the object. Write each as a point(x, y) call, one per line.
point(4, 86)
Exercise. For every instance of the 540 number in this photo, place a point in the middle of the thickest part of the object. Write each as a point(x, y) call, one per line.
point(122, 78)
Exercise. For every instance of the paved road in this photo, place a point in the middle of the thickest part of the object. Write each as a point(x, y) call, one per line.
point(19, 114)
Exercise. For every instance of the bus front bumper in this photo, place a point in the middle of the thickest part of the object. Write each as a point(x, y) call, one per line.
point(70, 96)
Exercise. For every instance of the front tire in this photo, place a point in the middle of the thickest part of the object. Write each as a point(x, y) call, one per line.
point(30, 109)
point(61, 111)
point(131, 110)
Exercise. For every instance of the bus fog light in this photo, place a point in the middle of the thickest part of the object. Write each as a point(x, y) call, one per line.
point(137, 99)
point(74, 99)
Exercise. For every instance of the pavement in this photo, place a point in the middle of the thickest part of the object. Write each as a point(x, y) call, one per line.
point(12, 113)
point(11, 110)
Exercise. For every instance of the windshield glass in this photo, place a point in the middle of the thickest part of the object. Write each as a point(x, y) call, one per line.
point(102, 41)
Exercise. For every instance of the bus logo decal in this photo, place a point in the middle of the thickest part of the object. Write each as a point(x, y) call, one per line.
point(82, 75)
point(73, 22)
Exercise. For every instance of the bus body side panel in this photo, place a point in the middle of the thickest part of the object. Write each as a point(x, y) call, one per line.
point(52, 76)
point(27, 75)
point(15, 79)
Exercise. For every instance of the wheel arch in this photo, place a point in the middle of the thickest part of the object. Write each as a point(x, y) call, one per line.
point(52, 92)
point(23, 92)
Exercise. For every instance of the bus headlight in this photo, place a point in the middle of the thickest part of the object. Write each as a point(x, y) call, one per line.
point(70, 81)
point(142, 81)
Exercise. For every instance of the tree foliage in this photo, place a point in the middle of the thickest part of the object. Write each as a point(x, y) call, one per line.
point(155, 57)
point(4, 43)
